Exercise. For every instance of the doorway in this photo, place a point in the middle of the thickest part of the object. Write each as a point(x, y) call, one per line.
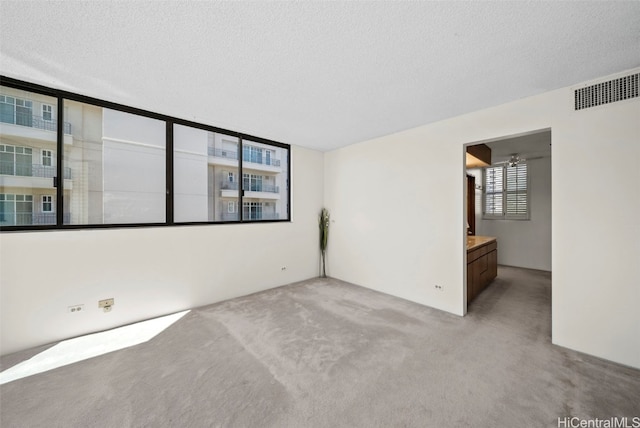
point(510, 200)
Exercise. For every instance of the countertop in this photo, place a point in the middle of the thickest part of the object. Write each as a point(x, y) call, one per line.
point(475, 241)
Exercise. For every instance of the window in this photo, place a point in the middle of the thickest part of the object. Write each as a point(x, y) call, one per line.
point(17, 111)
point(252, 210)
point(47, 112)
point(207, 172)
point(16, 209)
point(265, 181)
point(506, 194)
point(252, 154)
point(117, 170)
point(252, 182)
point(119, 159)
point(24, 112)
point(26, 159)
point(205, 164)
point(16, 160)
point(47, 158)
point(7, 160)
point(7, 209)
point(47, 203)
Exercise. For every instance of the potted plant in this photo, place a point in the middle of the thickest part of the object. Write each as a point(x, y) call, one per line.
point(324, 238)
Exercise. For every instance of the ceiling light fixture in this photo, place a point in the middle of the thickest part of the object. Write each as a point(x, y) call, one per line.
point(515, 160)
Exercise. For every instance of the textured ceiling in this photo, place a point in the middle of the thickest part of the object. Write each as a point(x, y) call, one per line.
point(316, 74)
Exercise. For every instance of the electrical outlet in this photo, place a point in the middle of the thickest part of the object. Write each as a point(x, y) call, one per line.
point(75, 308)
point(439, 287)
point(283, 268)
point(106, 304)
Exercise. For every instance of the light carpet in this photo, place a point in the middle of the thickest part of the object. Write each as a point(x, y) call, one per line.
point(325, 353)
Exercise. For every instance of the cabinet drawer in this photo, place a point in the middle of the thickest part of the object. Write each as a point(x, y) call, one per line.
point(481, 251)
point(474, 255)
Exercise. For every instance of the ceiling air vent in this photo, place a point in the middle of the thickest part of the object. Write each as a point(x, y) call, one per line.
point(607, 92)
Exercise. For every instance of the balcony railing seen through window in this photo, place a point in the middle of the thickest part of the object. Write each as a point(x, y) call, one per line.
point(253, 187)
point(32, 121)
point(31, 170)
point(249, 156)
point(221, 153)
point(22, 218)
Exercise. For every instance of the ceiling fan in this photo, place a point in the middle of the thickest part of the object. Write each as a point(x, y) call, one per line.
point(515, 159)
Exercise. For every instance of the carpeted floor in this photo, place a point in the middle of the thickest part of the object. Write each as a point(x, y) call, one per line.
point(323, 353)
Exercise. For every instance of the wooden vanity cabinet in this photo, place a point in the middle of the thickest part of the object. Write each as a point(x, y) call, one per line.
point(482, 264)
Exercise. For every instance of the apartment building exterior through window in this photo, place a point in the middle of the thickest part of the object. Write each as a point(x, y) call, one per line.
point(207, 171)
point(27, 158)
point(114, 166)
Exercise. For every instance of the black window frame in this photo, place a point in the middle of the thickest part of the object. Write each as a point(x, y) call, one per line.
point(170, 121)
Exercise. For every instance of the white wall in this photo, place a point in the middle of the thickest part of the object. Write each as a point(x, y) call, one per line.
point(151, 271)
point(397, 203)
point(392, 229)
point(525, 243)
point(596, 232)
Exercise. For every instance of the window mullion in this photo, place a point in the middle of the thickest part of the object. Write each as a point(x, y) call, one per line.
point(59, 177)
point(169, 172)
point(505, 186)
point(240, 179)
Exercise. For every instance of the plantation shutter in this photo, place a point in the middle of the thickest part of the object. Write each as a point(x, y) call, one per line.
point(494, 187)
point(506, 192)
point(516, 190)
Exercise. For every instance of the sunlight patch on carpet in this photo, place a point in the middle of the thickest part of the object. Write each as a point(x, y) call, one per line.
point(89, 346)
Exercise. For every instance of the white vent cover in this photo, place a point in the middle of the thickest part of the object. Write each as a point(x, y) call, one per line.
point(607, 92)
